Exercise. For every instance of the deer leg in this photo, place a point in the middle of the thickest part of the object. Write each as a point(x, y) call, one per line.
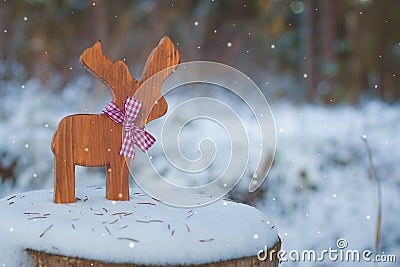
point(64, 181)
point(118, 179)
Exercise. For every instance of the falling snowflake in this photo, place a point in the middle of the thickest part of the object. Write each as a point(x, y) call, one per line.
point(297, 7)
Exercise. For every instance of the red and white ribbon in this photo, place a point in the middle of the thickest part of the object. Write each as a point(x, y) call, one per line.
point(133, 135)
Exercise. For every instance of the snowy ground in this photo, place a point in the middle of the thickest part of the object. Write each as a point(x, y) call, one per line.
point(141, 230)
point(319, 188)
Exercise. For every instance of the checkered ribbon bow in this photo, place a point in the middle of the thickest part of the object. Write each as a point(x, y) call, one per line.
point(132, 133)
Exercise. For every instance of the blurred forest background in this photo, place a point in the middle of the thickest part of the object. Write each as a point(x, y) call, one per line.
point(330, 70)
point(320, 51)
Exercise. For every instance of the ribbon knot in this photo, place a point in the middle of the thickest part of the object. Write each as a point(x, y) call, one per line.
point(133, 134)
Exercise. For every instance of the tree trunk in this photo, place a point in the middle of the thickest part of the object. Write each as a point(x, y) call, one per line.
point(356, 68)
point(328, 35)
point(42, 259)
point(311, 49)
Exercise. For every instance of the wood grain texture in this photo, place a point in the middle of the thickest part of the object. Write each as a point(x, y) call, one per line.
point(93, 139)
point(42, 259)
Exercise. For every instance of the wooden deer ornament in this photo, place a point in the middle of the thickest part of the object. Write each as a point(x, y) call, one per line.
point(94, 140)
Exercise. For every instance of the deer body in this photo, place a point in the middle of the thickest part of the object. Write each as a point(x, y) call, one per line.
point(91, 148)
point(94, 140)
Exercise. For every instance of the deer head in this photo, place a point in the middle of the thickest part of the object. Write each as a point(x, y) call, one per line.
point(121, 84)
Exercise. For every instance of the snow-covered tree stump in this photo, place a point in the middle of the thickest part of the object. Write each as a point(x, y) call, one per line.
point(95, 231)
point(45, 259)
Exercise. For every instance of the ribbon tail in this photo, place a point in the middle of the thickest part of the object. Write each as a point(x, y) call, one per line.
point(127, 147)
point(150, 140)
point(143, 139)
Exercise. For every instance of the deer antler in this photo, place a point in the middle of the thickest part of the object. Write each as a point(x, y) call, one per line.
point(115, 75)
point(165, 58)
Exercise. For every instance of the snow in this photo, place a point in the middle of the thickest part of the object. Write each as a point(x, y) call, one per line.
point(318, 190)
point(142, 230)
point(320, 187)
